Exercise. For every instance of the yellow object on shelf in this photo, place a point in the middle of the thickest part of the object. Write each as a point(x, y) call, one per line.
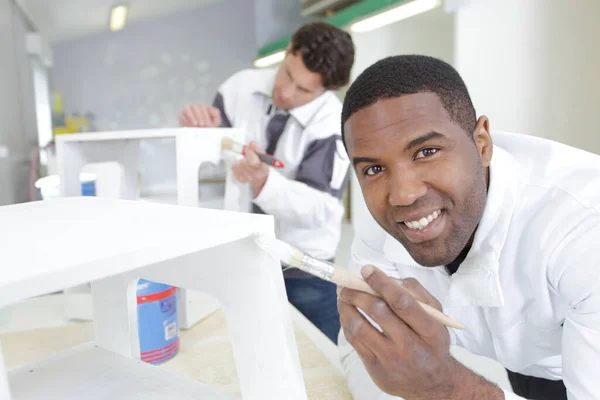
point(73, 125)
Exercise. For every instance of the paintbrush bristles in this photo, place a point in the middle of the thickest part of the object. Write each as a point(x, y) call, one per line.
point(281, 250)
point(228, 143)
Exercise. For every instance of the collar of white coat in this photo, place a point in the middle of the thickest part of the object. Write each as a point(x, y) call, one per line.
point(477, 280)
point(302, 114)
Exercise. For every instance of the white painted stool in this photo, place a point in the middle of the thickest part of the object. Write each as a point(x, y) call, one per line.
point(52, 245)
point(113, 158)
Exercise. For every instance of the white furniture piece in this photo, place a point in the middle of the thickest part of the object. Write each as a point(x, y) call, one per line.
point(113, 158)
point(51, 245)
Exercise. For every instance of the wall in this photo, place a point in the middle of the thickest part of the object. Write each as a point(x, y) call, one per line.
point(18, 130)
point(277, 19)
point(532, 66)
point(142, 77)
point(430, 33)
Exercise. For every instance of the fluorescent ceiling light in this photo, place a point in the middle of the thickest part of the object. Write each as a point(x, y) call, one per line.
point(118, 15)
point(271, 59)
point(395, 14)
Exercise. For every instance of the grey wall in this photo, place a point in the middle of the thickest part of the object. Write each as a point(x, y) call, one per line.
point(142, 76)
point(277, 19)
point(18, 131)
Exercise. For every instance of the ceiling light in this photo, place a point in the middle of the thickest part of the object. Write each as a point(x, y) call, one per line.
point(395, 14)
point(271, 59)
point(118, 15)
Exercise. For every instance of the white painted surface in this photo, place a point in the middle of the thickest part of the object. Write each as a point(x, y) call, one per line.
point(114, 302)
point(88, 372)
point(122, 135)
point(55, 244)
point(113, 157)
point(109, 178)
point(532, 66)
point(206, 250)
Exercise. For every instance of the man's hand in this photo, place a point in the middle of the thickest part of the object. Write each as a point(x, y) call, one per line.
point(251, 169)
point(200, 116)
point(411, 358)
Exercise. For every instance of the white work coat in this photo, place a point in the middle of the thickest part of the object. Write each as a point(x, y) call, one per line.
point(528, 291)
point(305, 196)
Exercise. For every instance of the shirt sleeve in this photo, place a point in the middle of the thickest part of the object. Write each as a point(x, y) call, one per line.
point(574, 272)
point(227, 96)
point(219, 103)
point(314, 195)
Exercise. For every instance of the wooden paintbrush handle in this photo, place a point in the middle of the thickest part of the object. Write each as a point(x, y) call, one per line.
point(343, 277)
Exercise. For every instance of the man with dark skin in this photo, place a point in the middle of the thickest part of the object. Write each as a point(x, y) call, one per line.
point(454, 211)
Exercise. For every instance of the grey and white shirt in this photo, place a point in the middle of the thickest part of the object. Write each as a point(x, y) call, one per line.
point(305, 196)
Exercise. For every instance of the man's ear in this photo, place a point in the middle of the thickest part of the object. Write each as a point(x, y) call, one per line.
point(483, 140)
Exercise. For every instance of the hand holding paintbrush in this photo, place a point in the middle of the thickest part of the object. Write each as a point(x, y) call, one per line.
point(230, 144)
point(333, 273)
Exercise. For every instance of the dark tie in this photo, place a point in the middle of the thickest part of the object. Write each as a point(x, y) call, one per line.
point(275, 128)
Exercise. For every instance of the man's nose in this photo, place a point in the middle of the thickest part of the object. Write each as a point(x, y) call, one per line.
point(405, 188)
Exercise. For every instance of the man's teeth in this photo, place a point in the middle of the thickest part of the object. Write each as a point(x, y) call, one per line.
point(423, 222)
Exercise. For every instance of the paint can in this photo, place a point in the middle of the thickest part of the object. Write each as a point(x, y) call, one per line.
point(157, 321)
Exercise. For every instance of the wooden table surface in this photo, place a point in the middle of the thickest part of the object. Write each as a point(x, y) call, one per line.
point(205, 355)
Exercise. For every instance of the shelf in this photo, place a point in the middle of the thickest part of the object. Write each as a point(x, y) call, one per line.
point(88, 372)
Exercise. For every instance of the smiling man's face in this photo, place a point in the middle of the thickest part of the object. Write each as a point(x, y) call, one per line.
point(424, 179)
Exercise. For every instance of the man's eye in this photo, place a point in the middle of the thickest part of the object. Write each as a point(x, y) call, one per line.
point(373, 170)
point(426, 153)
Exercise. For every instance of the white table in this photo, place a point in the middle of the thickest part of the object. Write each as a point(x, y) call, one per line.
point(51, 245)
point(113, 157)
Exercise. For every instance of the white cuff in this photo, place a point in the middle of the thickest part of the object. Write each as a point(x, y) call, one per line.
point(268, 194)
point(508, 395)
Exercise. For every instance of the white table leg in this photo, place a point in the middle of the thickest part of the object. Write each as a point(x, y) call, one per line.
point(72, 157)
point(194, 149)
point(249, 284)
point(115, 315)
point(4, 384)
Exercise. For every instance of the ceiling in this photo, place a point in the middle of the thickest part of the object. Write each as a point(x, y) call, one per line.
point(61, 20)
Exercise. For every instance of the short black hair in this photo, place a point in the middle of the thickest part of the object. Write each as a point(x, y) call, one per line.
point(326, 50)
point(408, 74)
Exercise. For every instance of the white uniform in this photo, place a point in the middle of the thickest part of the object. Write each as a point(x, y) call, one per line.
point(304, 197)
point(529, 289)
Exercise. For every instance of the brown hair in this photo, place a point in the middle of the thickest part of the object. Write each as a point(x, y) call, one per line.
point(326, 50)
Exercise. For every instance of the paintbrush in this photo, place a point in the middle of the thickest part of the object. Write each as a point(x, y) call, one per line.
point(325, 270)
point(229, 144)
